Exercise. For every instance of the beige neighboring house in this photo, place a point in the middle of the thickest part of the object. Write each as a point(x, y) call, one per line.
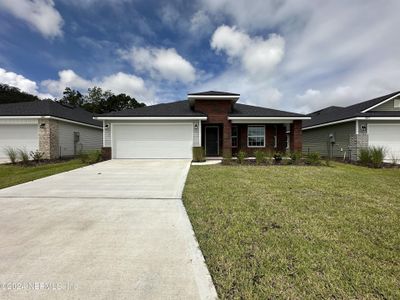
point(55, 129)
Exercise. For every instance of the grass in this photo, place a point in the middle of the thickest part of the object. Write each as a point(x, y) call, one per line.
point(292, 232)
point(16, 174)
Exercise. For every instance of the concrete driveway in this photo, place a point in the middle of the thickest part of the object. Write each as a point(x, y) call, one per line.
point(114, 230)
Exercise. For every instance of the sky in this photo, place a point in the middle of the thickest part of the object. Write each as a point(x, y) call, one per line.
point(295, 55)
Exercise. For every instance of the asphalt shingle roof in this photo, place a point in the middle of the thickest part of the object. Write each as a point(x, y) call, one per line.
point(48, 108)
point(336, 113)
point(183, 109)
point(213, 93)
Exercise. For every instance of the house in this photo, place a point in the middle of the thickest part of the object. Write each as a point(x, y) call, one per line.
point(342, 131)
point(212, 120)
point(55, 129)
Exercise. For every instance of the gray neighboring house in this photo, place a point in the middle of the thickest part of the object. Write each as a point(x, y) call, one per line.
point(55, 129)
point(342, 131)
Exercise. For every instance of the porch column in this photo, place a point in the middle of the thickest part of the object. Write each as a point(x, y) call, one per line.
point(227, 139)
point(296, 139)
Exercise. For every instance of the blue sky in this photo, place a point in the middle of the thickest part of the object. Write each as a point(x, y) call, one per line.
point(297, 55)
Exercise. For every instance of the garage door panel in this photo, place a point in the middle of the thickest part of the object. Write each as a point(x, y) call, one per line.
point(18, 136)
point(387, 136)
point(152, 140)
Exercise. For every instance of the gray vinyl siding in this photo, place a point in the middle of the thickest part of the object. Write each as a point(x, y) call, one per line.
point(90, 138)
point(317, 140)
point(107, 131)
point(387, 106)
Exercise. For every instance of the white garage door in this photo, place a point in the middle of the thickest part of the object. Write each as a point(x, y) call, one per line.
point(386, 135)
point(152, 140)
point(18, 136)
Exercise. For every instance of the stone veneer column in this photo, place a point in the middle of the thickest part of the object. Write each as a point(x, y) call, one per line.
point(356, 143)
point(296, 137)
point(48, 138)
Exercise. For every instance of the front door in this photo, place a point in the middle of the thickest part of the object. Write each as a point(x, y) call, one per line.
point(212, 140)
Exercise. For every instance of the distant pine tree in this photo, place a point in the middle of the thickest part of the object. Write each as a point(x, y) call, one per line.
point(11, 94)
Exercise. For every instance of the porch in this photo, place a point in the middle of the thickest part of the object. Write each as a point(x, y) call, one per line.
point(228, 138)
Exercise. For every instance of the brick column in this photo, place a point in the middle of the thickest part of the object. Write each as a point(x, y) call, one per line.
point(296, 138)
point(227, 139)
point(48, 138)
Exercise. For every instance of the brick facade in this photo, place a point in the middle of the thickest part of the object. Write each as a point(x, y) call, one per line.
point(48, 138)
point(217, 112)
point(296, 139)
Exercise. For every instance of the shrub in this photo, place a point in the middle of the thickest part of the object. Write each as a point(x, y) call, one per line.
point(377, 156)
point(198, 154)
point(12, 154)
point(313, 158)
point(260, 157)
point(295, 157)
point(241, 156)
point(278, 157)
point(36, 156)
point(365, 156)
point(90, 157)
point(23, 156)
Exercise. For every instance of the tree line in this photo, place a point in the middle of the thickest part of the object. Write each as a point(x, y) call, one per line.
point(95, 101)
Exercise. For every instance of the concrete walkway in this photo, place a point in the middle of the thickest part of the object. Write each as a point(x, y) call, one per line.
point(114, 230)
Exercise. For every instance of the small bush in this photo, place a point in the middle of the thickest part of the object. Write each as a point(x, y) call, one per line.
point(260, 156)
point(295, 157)
point(23, 155)
point(198, 154)
point(365, 156)
point(36, 156)
point(313, 158)
point(241, 156)
point(12, 154)
point(90, 157)
point(278, 157)
point(377, 156)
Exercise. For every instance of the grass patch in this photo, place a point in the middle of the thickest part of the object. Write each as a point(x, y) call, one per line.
point(16, 174)
point(294, 232)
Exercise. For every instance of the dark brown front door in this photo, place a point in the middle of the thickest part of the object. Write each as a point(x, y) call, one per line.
point(212, 140)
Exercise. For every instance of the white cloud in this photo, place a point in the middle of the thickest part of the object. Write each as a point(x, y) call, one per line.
point(19, 81)
point(258, 56)
point(161, 63)
point(117, 83)
point(40, 14)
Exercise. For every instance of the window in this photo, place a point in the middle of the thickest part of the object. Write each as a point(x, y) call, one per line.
point(256, 136)
point(234, 136)
point(396, 103)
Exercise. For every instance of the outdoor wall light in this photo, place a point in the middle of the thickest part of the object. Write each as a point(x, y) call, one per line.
point(106, 126)
point(42, 125)
point(196, 126)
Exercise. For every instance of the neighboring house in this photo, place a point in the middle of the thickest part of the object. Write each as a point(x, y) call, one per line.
point(212, 120)
point(56, 130)
point(343, 131)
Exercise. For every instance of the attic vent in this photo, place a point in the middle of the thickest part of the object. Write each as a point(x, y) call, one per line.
point(396, 102)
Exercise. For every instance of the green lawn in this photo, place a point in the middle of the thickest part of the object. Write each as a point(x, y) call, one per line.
point(292, 232)
point(12, 175)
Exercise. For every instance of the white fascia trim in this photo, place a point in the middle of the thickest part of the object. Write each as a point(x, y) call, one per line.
point(354, 119)
point(380, 103)
point(229, 97)
point(151, 118)
point(268, 118)
point(19, 117)
point(72, 122)
point(49, 117)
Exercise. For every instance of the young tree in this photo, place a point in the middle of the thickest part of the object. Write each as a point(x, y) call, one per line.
point(72, 97)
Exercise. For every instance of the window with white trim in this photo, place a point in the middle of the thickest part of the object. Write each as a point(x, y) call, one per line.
point(396, 103)
point(256, 136)
point(234, 136)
